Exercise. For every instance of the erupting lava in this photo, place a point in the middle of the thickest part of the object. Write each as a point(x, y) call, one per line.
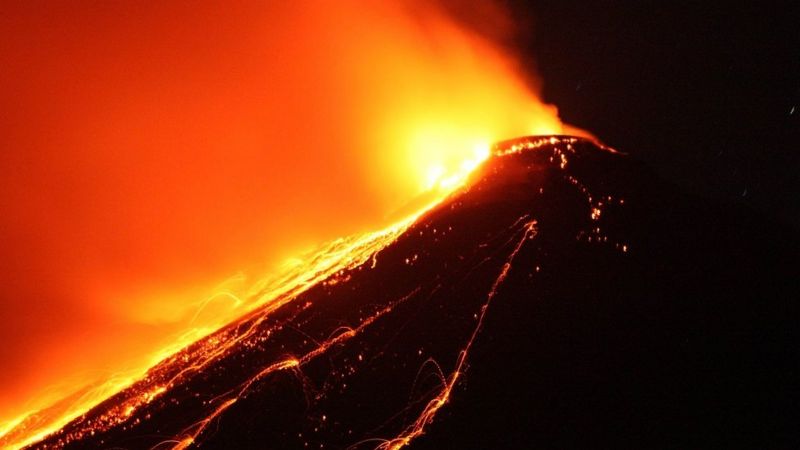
point(291, 307)
point(150, 154)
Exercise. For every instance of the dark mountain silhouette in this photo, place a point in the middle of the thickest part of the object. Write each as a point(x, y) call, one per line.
point(567, 298)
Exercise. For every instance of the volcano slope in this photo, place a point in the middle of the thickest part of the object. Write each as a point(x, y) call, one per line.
point(565, 298)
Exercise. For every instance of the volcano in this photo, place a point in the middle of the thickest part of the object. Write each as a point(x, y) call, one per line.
point(565, 297)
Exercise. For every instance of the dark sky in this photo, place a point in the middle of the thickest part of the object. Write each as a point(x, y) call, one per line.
point(708, 95)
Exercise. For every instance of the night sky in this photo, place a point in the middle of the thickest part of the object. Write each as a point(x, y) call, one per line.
point(707, 94)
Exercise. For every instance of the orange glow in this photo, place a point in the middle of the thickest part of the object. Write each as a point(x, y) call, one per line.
point(159, 161)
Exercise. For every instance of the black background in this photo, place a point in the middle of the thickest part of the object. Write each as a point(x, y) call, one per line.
point(702, 92)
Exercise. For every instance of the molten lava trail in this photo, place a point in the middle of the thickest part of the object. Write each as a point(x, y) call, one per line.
point(418, 426)
point(366, 344)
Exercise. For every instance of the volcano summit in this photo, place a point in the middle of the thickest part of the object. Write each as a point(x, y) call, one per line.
point(566, 297)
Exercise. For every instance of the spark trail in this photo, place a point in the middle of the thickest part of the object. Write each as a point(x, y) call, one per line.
point(188, 436)
point(418, 427)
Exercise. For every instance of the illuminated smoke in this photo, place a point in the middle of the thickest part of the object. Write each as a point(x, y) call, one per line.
point(152, 153)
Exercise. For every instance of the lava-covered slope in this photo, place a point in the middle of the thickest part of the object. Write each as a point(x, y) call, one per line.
point(565, 298)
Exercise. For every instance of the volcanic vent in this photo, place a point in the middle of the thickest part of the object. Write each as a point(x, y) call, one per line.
point(562, 297)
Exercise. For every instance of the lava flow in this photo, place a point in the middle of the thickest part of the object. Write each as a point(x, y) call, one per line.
point(403, 306)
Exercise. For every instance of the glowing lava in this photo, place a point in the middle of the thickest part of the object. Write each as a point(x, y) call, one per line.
point(151, 158)
point(280, 307)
